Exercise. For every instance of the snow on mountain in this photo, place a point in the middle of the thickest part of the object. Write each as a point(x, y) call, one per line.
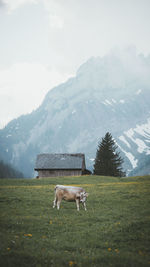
point(137, 141)
point(108, 94)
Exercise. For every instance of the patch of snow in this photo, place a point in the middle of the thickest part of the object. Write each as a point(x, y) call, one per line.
point(129, 133)
point(131, 158)
point(122, 138)
point(7, 150)
point(138, 92)
point(144, 129)
point(9, 135)
point(122, 101)
point(104, 103)
point(114, 101)
point(108, 102)
point(74, 111)
point(91, 159)
point(141, 146)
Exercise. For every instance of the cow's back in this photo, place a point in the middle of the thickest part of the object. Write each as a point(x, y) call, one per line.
point(68, 193)
point(68, 188)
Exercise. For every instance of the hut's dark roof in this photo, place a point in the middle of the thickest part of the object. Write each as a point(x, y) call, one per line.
point(59, 161)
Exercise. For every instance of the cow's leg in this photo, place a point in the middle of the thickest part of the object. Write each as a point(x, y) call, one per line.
point(58, 204)
point(84, 206)
point(77, 203)
point(54, 202)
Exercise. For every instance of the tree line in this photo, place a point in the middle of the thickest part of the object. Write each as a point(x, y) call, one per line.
point(108, 161)
point(7, 171)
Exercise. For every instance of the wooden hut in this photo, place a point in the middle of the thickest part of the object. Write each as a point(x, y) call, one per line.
point(52, 165)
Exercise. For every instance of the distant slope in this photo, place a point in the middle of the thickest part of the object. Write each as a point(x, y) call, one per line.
point(107, 94)
point(7, 171)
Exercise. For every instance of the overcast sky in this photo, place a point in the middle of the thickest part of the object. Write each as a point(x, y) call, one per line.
point(43, 42)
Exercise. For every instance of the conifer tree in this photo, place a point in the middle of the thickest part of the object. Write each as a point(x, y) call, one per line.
point(108, 162)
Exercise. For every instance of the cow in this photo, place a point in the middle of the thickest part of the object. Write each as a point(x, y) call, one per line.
point(69, 193)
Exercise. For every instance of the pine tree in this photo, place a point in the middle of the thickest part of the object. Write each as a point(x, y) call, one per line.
point(108, 162)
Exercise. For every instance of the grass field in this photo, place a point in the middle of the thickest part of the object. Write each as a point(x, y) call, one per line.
point(114, 231)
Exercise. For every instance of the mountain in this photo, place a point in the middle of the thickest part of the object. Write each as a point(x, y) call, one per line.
point(108, 94)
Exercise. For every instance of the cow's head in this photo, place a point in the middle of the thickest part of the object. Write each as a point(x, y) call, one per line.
point(83, 196)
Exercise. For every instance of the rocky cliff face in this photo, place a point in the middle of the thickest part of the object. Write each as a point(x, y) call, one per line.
point(107, 94)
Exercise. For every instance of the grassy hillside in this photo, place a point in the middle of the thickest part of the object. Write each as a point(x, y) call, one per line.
point(114, 231)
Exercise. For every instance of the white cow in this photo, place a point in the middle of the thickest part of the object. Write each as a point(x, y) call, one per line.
point(69, 193)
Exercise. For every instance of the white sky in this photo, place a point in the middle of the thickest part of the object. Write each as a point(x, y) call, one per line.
point(43, 42)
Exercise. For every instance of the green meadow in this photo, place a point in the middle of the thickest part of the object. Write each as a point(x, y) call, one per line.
point(114, 231)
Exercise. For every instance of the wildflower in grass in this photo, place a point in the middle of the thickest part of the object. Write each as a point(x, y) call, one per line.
point(117, 223)
point(141, 253)
point(109, 249)
point(50, 222)
point(8, 249)
point(30, 235)
point(71, 263)
point(116, 250)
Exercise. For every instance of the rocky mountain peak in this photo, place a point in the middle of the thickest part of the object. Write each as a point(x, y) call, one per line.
point(108, 94)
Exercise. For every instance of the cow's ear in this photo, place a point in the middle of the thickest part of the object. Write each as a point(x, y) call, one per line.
point(87, 194)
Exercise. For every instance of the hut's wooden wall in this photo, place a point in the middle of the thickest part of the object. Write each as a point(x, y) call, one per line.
point(55, 173)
